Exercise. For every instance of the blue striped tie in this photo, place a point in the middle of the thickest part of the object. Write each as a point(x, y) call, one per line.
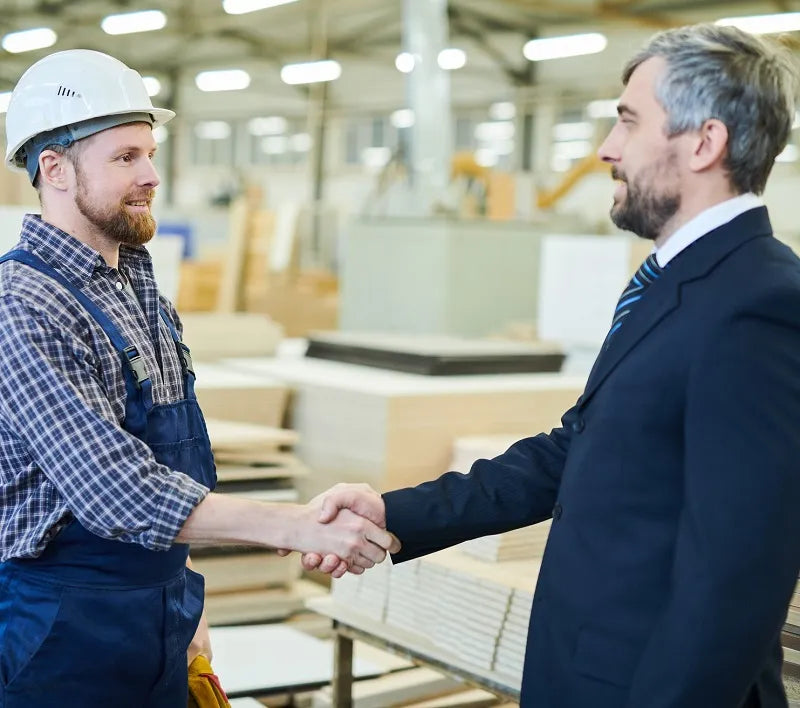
point(642, 279)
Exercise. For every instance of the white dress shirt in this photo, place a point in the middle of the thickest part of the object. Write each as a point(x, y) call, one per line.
point(704, 222)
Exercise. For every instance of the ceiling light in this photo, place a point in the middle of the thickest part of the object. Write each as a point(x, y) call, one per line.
point(28, 40)
point(404, 62)
point(573, 131)
point(560, 47)
point(271, 125)
point(486, 158)
point(503, 147)
point(212, 130)
point(376, 157)
point(451, 59)
point(5, 99)
point(603, 109)
point(275, 144)
point(131, 22)
point(402, 118)
point(300, 142)
point(493, 131)
point(152, 85)
point(240, 7)
point(311, 72)
point(790, 154)
point(224, 80)
point(502, 110)
point(572, 149)
point(764, 24)
point(160, 133)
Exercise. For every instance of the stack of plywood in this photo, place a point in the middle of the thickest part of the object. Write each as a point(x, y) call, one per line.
point(245, 583)
point(228, 394)
point(472, 610)
point(391, 429)
point(523, 543)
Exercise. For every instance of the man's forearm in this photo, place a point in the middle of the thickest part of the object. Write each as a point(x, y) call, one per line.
point(225, 519)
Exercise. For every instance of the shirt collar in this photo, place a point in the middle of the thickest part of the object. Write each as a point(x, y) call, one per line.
point(704, 222)
point(67, 254)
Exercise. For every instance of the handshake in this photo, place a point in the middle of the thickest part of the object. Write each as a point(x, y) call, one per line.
point(346, 531)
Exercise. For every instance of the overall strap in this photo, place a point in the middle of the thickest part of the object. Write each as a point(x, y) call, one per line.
point(184, 355)
point(136, 378)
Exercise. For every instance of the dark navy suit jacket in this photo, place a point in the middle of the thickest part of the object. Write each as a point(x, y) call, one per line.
point(674, 488)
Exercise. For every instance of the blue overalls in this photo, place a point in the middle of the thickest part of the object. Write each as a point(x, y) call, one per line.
point(97, 623)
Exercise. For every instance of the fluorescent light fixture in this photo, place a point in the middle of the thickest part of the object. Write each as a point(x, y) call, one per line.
point(790, 154)
point(573, 131)
point(573, 45)
point(502, 110)
point(375, 157)
point(764, 24)
point(494, 131)
point(560, 164)
point(241, 7)
point(503, 147)
point(451, 59)
point(404, 62)
point(300, 142)
point(28, 40)
point(223, 80)
point(212, 130)
point(603, 109)
point(796, 123)
point(160, 133)
point(402, 118)
point(572, 149)
point(152, 85)
point(275, 144)
point(311, 72)
point(270, 125)
point(486, 157)
point(131, 22)
point(5, 99)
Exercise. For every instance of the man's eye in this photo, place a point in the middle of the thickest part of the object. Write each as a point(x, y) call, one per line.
point(126, 157)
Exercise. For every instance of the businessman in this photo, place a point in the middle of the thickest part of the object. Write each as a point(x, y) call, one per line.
point(674, 482)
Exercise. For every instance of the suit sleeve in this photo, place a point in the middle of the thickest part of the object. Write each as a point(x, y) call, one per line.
point(516, 489)
point(737, 551)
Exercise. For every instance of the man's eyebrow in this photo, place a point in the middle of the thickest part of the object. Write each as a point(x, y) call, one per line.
point(626, 109)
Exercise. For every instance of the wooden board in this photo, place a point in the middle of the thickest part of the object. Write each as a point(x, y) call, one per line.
point(240, 437)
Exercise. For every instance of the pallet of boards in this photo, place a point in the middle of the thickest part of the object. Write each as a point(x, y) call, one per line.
point(245, 584)
point(473, 610)
point(227, 394)
point(392, 429)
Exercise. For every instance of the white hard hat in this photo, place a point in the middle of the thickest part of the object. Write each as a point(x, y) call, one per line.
point(79, 90)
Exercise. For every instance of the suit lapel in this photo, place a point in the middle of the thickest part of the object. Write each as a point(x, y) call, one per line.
point(664, 295)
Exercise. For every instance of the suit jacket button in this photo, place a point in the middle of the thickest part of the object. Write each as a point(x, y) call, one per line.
point(578, 425)
point(557, 511)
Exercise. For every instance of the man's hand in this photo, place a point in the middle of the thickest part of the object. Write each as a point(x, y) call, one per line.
point(344, 534)
point(360, 499)
point(201, 642)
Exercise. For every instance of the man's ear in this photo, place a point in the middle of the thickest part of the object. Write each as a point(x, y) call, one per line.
point(709, 146)
point(54, 169)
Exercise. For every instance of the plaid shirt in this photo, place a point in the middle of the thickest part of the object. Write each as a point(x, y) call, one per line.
point(63, 452)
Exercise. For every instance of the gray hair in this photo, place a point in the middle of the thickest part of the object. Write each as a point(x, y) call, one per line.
point(746, 82)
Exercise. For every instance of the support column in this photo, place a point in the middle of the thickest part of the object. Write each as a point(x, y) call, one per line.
point(425, 34)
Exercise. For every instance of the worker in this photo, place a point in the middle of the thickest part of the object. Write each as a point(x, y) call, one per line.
point(673, 483)
point(105, 463)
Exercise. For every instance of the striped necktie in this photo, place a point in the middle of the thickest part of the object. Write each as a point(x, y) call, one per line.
point(642, 279)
